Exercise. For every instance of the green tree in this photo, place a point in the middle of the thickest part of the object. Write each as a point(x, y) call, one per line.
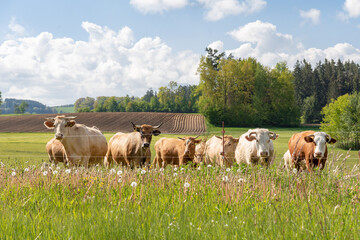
point(20, 109)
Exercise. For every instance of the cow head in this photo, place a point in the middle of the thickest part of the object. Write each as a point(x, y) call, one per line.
point(319, 139)
point(263, 141)
point(199, 152)
point(59, 124)
point(146, 132)
point(230, 144)
point(189, 143)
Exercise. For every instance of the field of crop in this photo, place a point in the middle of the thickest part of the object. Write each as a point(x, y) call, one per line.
point(175, 203)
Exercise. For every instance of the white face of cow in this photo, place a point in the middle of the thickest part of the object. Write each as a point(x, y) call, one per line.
point(263, 141)
point(59, 124)
point(319, 139)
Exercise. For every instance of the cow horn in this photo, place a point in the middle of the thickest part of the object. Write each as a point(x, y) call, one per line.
point(156, 127)
point(49, 119)
point(311, 135)
point(252, 133)
point(135, 126)
point(328, 136)
point(196, 136)
point(70, 117)
point(181, 138)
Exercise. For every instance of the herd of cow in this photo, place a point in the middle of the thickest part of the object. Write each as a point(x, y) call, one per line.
point(78, 145)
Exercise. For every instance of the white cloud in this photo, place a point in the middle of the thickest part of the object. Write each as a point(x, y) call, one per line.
point(313, 15)
point(157, 6)
point(16, 30)
point(218, 9)
point(262, 41)
point(60, 70)
point(351, 9)
point(218, 45)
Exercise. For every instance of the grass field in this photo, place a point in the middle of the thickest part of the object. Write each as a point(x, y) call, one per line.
point(209, 203)
point(64, 109)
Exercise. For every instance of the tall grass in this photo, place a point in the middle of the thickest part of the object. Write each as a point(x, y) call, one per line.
point(187, 203)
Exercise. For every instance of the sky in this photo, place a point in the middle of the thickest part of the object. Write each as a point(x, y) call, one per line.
point(58, 51)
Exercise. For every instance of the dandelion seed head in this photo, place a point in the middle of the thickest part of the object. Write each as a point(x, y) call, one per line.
point(112, 171)
point(228, 169)
point(209, 166)
point(186, 185)
point(143, 172)
point(225, 179)
point(26, 169)
point(45, 173)
point(175, 174)
point(119, 172)
point(55, 172)
point(133, 184)
point(68, 171)
point(13, 174)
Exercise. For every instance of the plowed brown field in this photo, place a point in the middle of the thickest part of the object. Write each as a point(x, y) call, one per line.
point(111, 122)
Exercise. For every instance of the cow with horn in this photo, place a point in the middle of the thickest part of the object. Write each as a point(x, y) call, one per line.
point(309, 148)
point(132, 149)
point(175, 151)
point(83, 145)
point(256, 146)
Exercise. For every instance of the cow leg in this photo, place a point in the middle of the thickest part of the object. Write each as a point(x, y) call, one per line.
point(308, 164)
point(85, 161)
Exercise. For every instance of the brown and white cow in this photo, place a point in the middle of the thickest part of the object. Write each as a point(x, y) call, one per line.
point(311, 147)
point(83, 145)
point(215, 152)
point(175, 151)
point(200, 152)
point(56, 152)
point(132, 149)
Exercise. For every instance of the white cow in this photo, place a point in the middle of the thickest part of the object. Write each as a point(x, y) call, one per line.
point(214, 150)
point(256, 145)
point(288, 163)
point(83, 145)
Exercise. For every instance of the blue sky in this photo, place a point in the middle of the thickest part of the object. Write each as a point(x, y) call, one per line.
point(58, 51)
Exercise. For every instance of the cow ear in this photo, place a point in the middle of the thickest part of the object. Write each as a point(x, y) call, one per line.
point(218, 137)
point(156, 132)
point(49, 124)
point(308, 139)
point(70, 123)
point(250, 138)
point(332, 141)
point(137, 129)
point(198, 141)
point(236, 140)
point(275, 136)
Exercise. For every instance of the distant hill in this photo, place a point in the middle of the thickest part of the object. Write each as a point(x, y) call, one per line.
point(35, 107)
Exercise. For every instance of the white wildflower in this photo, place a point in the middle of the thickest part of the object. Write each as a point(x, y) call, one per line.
point(181, 169)
point(225, 179)
point(199, 168)
point(175, 174)
point(68, 171)
point(239, 170)
point(143, 172)
point(119, 172)
point(13, 174)
point(2, 164)
point(112, 171)
point(186, 185)
point(119, 180)
point(295, 171)
point(226, 225)
point(58, 168)
point(26, 169)
point(133, 184)
point(228, 169)
point(175, 169)
point(55, 172)
point(241, 180)
point(161, 169)
point(209, 166)
point(45, 173)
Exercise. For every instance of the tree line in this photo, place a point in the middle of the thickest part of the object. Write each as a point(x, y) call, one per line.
point(171, 98)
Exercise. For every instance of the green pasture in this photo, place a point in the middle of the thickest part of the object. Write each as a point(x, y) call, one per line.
point(175, 203)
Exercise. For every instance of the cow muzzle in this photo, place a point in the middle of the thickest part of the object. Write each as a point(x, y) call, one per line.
point(59, 136)
point(146, 145)
point(318, 154)
point(264, 154)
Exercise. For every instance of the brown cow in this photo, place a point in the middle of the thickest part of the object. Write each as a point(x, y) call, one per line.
point(175, 151)
point(83, 145)
point(56, 152)
point(311, 147)
point(215, 148)
point(131, 149)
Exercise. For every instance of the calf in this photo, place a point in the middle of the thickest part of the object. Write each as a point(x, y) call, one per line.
point(216, 153)
point(56, 152)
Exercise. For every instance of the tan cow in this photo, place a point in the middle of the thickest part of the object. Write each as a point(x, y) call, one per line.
point(199, 152)
point(214, 151)
point(175, 151)
point(83, 145)
point(309, 146)
point(56, 152)
point(132, 149)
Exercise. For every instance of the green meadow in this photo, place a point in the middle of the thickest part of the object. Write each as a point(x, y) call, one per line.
point(175, 203)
